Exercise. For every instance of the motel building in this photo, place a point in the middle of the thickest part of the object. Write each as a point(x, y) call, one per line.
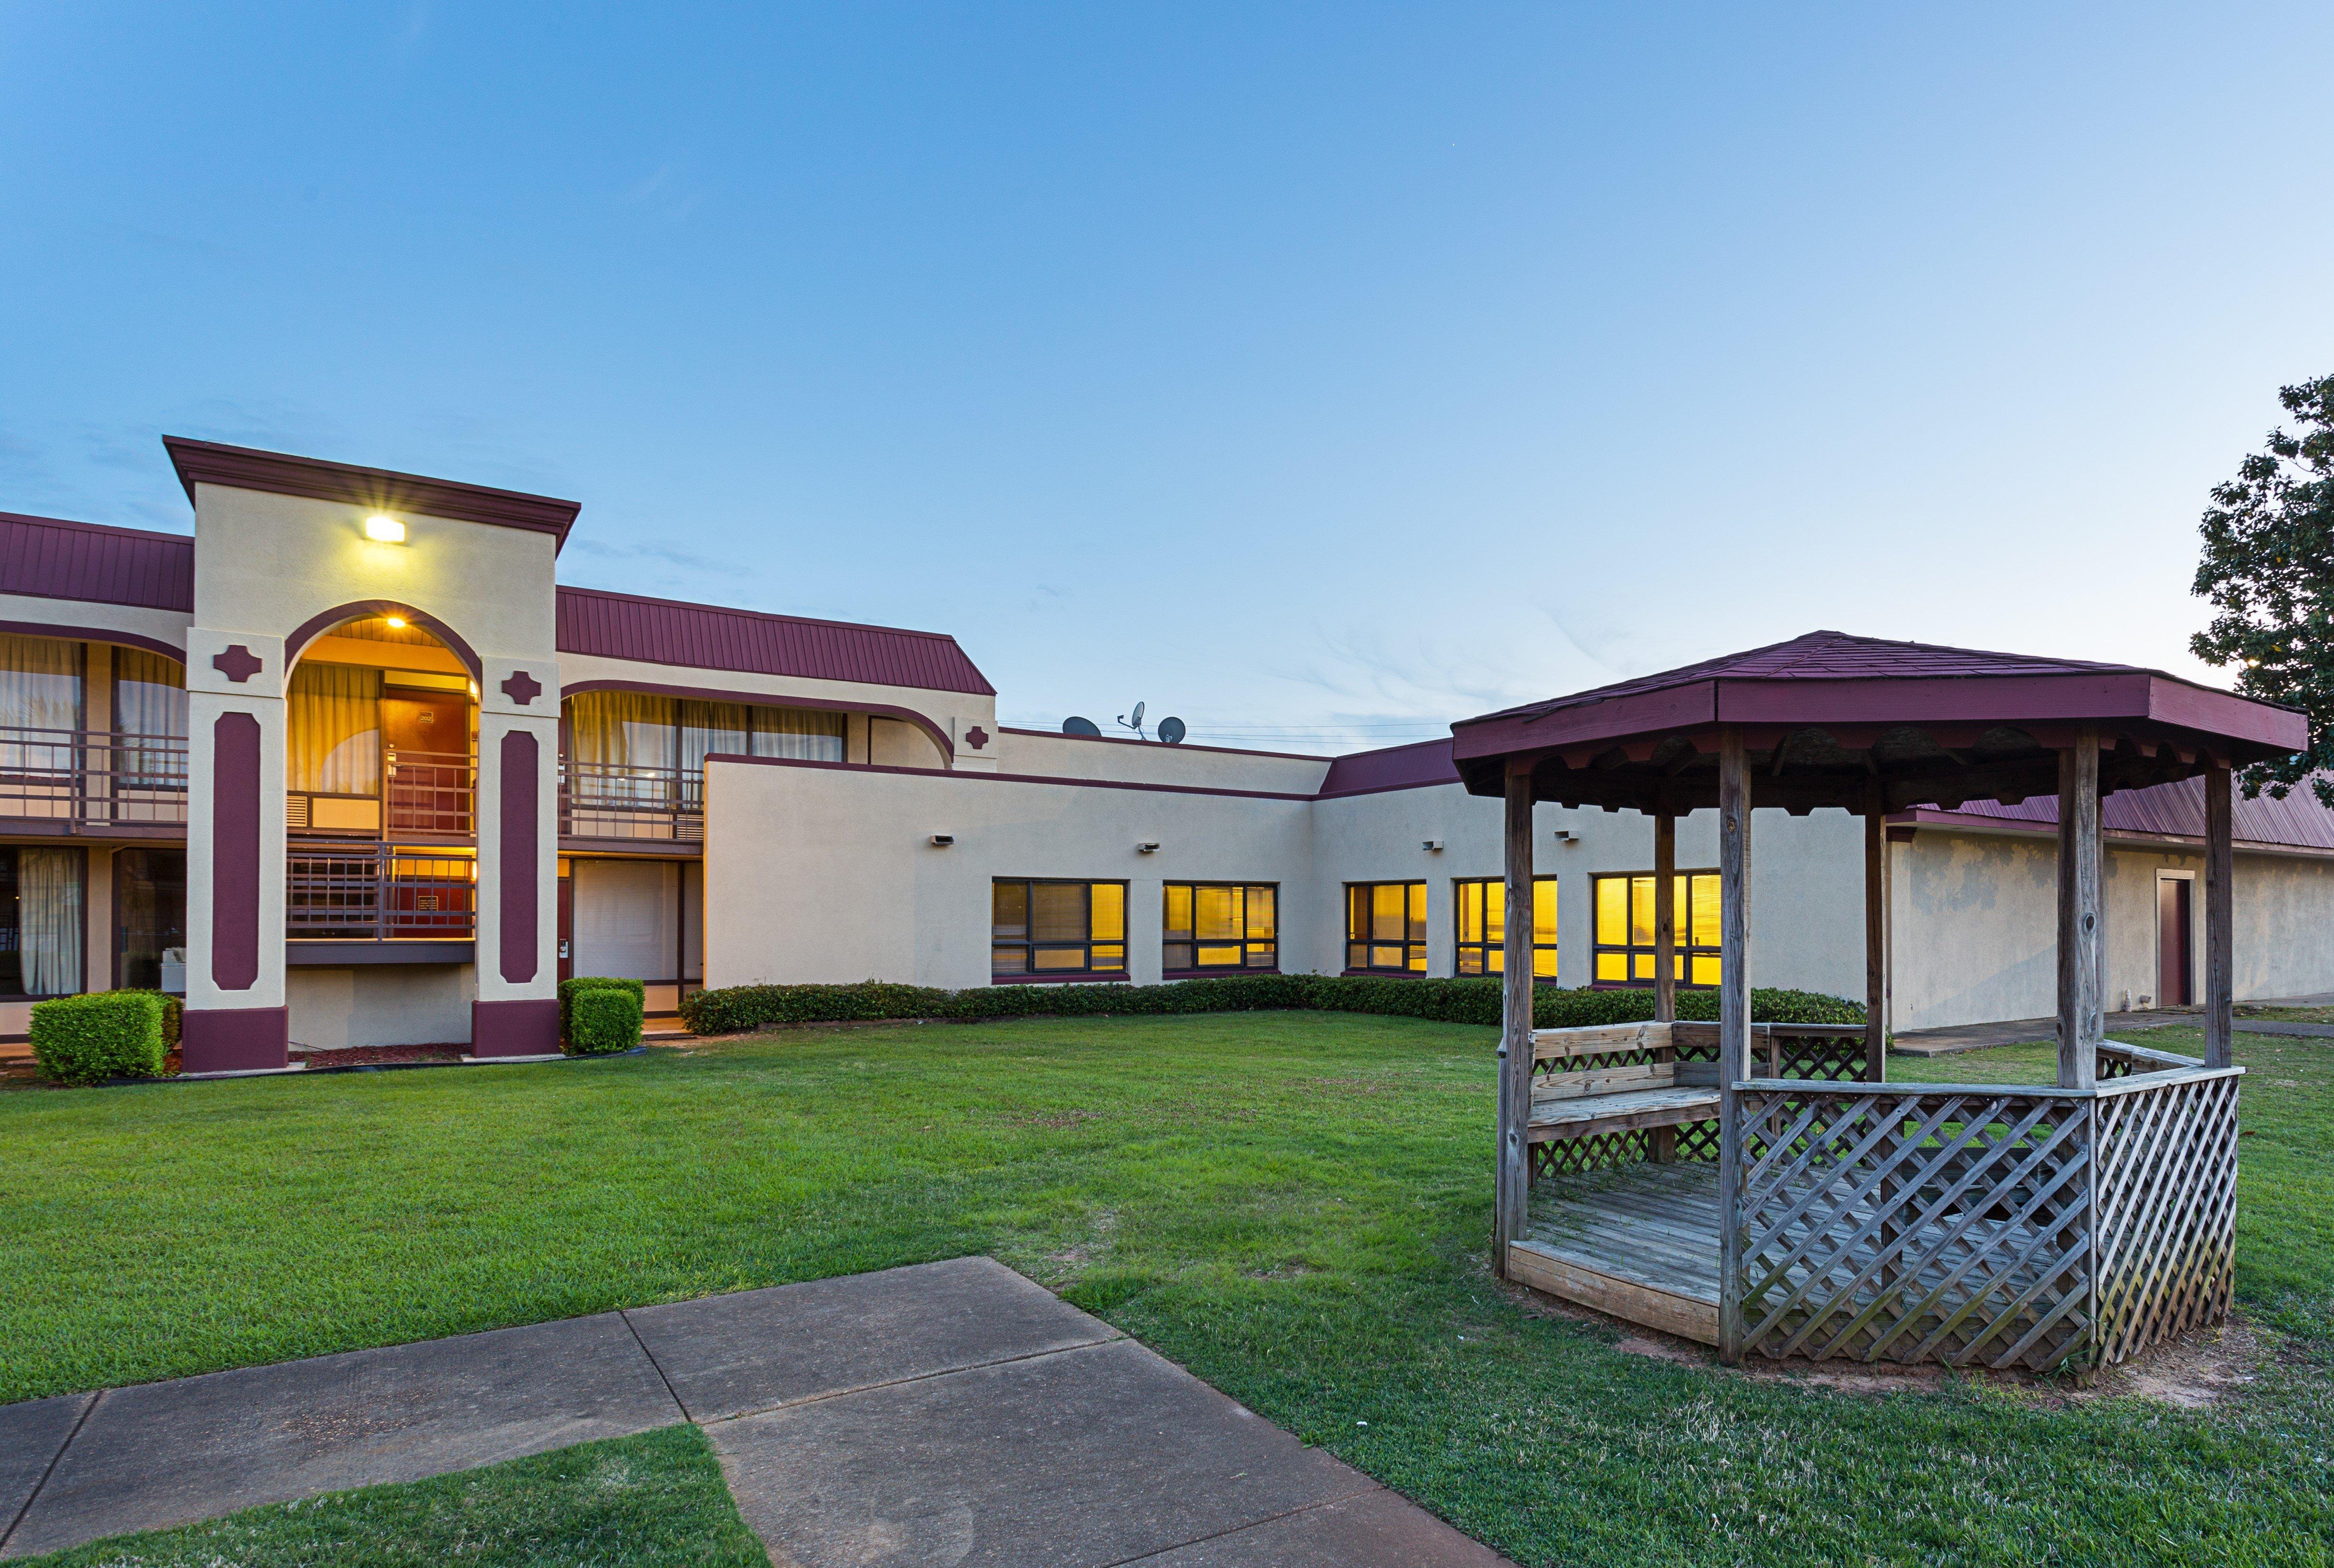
point(349, 767)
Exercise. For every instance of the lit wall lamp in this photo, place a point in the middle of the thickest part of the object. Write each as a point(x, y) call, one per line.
point(942, 841)
point(385, 530)
point(1147, 849)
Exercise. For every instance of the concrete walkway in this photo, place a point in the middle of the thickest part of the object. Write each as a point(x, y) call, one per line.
point(950, 1412)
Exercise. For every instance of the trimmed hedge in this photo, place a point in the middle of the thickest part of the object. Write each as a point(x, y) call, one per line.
point(603, 1020)
point(736, 1008)
point(570, 989)
point(104, 1034)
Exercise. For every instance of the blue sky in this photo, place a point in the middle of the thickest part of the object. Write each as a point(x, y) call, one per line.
point(1317, 373)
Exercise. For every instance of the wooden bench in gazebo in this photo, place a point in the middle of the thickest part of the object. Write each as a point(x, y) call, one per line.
point(1763, 1187)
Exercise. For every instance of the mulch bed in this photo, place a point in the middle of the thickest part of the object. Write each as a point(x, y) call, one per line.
point(377, 1056)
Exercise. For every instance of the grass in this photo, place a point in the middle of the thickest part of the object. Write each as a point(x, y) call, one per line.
point(1292, 1205)
point(653, 1501)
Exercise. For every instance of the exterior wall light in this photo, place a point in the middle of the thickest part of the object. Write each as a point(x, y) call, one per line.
point(942, 841)
point(1149, 848)
point(1432, 846)
point(385, 530)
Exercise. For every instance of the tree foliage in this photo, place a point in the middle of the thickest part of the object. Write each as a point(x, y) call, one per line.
point(2269, 570)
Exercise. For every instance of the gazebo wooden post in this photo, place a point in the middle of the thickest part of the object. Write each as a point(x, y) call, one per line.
point(2220, 919)
point(1514, 1205)
point(1733, 1026)
point(2082, 924)
point(1876, 953)
point(1664, 1139)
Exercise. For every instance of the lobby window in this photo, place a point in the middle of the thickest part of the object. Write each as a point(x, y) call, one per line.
point(1483, 927)
point(40, 921)
point(1386, 926)
point(1219, 926)
point(1051, 927)
point(1625, 929)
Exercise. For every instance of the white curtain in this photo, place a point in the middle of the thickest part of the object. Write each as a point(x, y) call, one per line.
point(335, 745)
point(40, 683)
point(707, 728)
point(799, 733)
point(150, 694)
point(48, 920)
point(625, 747)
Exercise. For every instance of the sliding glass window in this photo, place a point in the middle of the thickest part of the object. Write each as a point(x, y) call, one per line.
point(1219, 926)
point(1057, 929)
point(1483, 927)
point(41, 941)
point(1625, 929)
point(1386, 926)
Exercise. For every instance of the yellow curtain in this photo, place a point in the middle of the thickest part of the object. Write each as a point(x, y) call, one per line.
point(335, 745)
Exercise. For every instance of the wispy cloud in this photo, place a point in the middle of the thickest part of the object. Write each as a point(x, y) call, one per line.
point(602, 550)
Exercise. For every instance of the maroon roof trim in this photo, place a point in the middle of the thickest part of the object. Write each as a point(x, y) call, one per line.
point(1420, 764)
point(1181, 745)
point(1091, 783)
point(51, 558)
point(282, 474)
point(773, 699)
point(714, 636)
point(94, 634)
point(315, 626)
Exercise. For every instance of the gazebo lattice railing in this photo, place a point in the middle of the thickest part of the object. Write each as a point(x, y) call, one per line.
point(1762, 1187)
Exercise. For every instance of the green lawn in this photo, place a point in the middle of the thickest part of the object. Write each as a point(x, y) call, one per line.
point(1295, 1206)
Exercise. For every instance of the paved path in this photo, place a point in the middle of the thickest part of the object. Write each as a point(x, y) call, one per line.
point(2285, 1026)
point(947, 1413)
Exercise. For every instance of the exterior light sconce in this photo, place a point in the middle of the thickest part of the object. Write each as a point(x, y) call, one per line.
point(1564, 836)
point(1432, 846)
point(382, 529)
point(942, 841)
point(1146, 849)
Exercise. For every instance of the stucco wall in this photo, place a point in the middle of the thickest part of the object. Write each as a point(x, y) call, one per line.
point(828, 874)
point(163, 626)
point(1073, 756)
point(1977, 917)
point(381, 1005)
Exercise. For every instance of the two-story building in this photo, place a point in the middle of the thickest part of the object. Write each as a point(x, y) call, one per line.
point(349, 766)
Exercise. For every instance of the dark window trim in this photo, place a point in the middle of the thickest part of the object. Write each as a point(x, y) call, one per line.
point(1684, 950)
point(1198, 971)
point(1459, 945)
point(1065, 977)
point(1417, 969)
point(1029, 945)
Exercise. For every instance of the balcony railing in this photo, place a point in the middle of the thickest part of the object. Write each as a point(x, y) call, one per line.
point(619, 801)
point(426, 794)
point(379, 893)
point(91, 778)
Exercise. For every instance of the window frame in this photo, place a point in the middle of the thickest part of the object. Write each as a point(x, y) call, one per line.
point(1461, 946)
point(1029, 974)
point(1684, 953)
point(1413, 921)
point(1247, 943)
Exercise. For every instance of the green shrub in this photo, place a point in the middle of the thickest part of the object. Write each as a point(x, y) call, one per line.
point(173, 1011)
point(104, 1034)
point(734, 1009)
point(570, 989)
point(603, 1020)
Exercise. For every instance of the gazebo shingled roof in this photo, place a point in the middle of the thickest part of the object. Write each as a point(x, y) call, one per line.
point(1824, 714)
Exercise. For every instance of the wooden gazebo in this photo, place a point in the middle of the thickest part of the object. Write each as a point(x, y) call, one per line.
point(1802, 1205)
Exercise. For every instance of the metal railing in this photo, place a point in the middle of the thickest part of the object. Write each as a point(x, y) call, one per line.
point(620, 801)
point(379, 893)
point(91, 777)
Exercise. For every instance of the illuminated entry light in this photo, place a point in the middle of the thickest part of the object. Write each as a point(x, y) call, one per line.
point(385, 530)
point(396, 622)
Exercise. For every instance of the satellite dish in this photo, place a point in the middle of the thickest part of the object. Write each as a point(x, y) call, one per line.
point(1074, 725)
point(1136, 723)
point(1171, 730)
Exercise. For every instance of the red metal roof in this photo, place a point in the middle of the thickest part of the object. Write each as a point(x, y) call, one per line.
point(50, 558)
point(2177, 811)
point(1394, 767)
point(708, 637)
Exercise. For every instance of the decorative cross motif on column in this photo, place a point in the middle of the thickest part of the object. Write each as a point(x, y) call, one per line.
point(976, 737)
point(522, 688)
point(238, 664)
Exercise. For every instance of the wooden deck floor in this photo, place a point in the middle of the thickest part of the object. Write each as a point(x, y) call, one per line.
point(1640, 1242)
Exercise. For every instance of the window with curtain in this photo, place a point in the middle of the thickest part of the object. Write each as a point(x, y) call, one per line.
point(802, 734)
point(1059, 928)
point(624, 747)
point(40, 921)
point(1386, 926)
point(1483, 927)
point(333, 747)
point(150, 694)
point(40, 683)
point(1625, 929)
point(1219, 925)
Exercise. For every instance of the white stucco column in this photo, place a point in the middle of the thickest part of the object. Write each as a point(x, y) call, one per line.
point(518, 1010)
point(235, 1018)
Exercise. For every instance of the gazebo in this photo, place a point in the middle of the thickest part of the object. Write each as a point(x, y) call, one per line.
point(1802, 1205)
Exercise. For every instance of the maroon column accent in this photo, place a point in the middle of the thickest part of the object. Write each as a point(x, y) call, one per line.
point(520, 857)
point(239, 1039)
point(235, 851)
point(527, 1028)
